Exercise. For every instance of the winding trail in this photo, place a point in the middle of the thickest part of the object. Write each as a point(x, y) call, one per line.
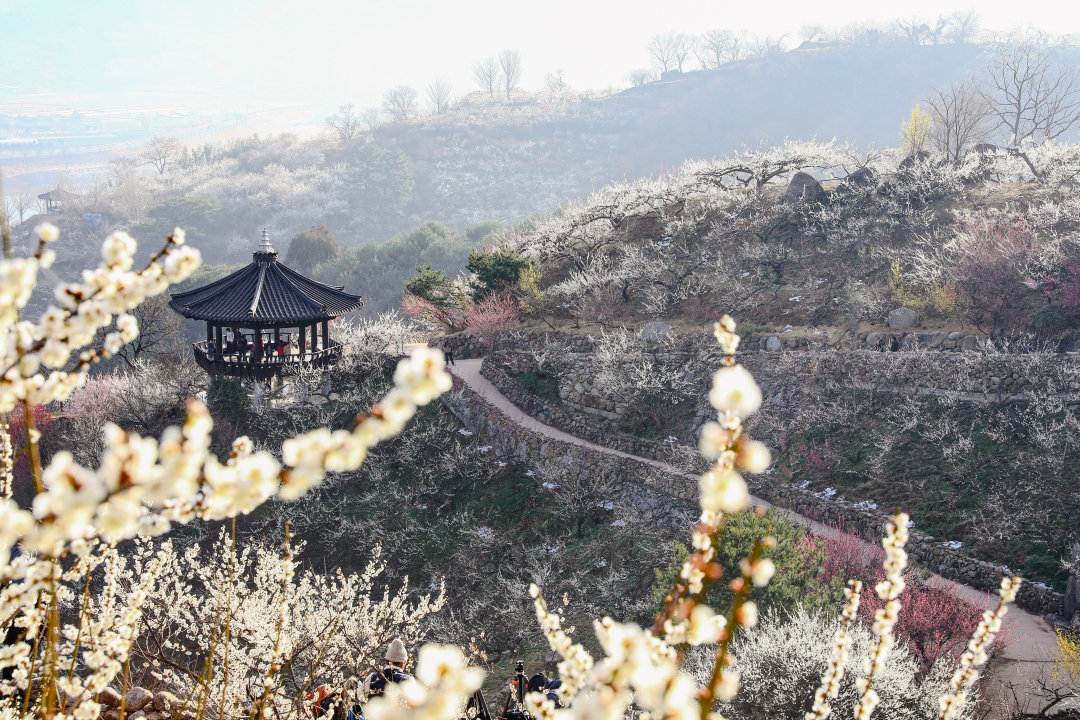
point(1033, 645)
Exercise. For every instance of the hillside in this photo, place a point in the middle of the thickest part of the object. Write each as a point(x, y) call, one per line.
point(914, 327)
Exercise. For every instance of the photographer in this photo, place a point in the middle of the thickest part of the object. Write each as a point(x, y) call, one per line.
point(393, 672)
point(539, 683)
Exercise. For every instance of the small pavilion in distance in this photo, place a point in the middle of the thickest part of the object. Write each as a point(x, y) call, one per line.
point(55, 199)
point(277, 318)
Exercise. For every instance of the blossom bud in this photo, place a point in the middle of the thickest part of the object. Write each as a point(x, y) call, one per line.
point(753, 456)
point(47, 232)
point(748, 614)
point(734, 391)
point(723, 490)
point(714, 439)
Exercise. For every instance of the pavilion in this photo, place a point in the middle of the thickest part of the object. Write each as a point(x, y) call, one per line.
point(55, 199)
point(279, 319)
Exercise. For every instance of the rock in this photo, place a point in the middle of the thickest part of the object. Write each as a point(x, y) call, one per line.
point(969, 343)
point(874, 339)
point(155, 715)
point(773, 344)
point(111, 715)
point(902, 318)
point(109, 698)
point(136, 699)
point(955, 335)
point(913, 159)
point(861, 177)
point(1071, 596)
point(163, 702)
point(655, 331)
point(803, 188)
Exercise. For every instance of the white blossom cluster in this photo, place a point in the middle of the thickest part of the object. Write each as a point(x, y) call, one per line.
point(889, 589)
point(141, 485)
point(834, 673)
point(641, 666)
point(642, 669)
point(975, 656)
point(7, 454)
point(30, 350)
point(244, 616)
point(246, 612)
point(99, 642)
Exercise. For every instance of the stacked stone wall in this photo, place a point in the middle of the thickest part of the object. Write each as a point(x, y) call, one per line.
point(666, 495)
point(935, 555)
point(651, 492)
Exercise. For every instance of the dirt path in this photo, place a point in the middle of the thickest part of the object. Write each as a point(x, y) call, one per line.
point(1034, 644)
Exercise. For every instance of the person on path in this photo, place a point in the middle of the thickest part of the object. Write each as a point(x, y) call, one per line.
point(449, 356)
point(393, 672)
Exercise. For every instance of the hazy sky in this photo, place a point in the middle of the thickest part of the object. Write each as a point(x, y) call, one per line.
point(334, 51)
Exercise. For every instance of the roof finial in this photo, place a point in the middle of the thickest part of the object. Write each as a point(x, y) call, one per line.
point(266, 247)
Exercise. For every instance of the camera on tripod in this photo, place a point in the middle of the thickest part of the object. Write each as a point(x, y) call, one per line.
point(515, 703)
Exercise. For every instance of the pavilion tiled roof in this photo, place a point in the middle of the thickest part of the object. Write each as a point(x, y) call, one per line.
point(265, 292)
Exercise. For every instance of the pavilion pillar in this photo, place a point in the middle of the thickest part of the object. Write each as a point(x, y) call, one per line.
point(303, 347)
point(209, 332)
point(326, 334)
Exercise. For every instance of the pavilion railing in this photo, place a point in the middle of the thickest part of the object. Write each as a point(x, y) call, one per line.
point(244, 364)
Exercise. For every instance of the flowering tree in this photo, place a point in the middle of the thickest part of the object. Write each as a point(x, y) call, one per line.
point(217, 622)
point(63, 662)
point(141, 486)
point(645, 666)
point(492, 315)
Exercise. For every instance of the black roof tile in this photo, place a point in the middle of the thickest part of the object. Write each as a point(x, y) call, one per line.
point(265, 292)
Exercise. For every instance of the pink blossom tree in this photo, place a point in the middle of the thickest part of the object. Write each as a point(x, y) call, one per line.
point(492, 316)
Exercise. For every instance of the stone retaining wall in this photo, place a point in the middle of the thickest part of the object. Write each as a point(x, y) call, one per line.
point(465, 345)
point(576, 412)
point(661, 495)
point(975, 377)
point(652, 493)
point(937, 556)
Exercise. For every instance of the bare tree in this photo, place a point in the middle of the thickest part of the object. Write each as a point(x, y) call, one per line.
point(670, 50)
point(346, 122)
point(159, 331)
point(1033, 97)
point(160, 151)
point(640, 76)
point(438, 95)
point(962, 26)
point(130, 195)
point(22, 200)
point(400, 103)
point(556, 83)
point(510, 64)
point(372, 118)
point(717, 47)
point(760, 47)
point(959, 118)
point(486, 74)
point(577, 492)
